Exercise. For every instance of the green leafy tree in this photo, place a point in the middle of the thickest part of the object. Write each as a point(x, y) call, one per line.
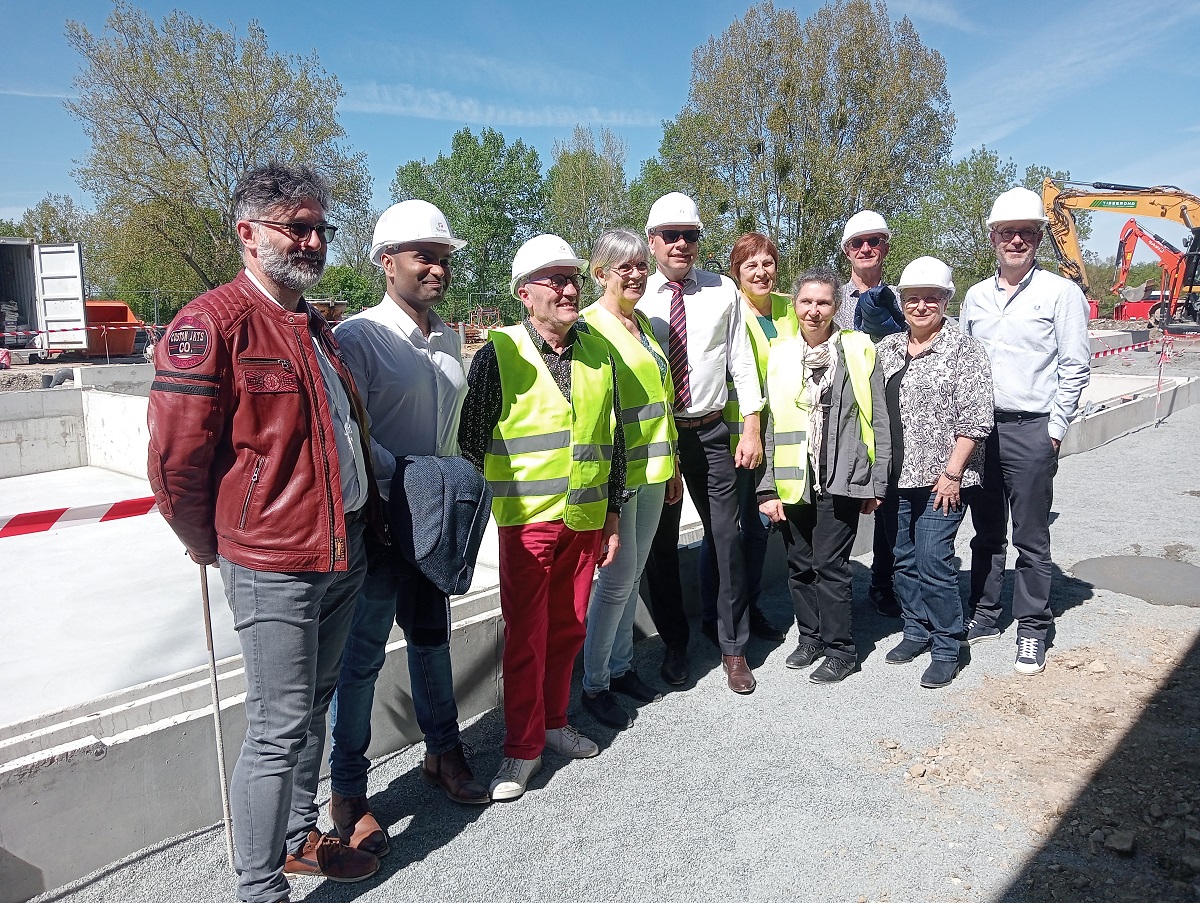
point(585, 188)
point(789, 128)
point(344, 283)
point(494, 198)
point(11, 229)
point(176, 112)
point(55, 218)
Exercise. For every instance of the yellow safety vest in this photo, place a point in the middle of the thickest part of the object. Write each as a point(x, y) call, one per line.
point(783, 315)
point(790, 412)
point(549, 459)
point(650, 434)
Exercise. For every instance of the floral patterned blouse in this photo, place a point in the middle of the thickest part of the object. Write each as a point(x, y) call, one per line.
point(946, 392)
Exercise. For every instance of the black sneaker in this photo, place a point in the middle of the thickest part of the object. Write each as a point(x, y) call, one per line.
point(803, 655)
point(833, 669)
point(939, 674)
point(605, 709)
point(884, 600)
point(1031, 655)
point(974, 632)
point(634, 687)
point(906, 650)
point(763, 628)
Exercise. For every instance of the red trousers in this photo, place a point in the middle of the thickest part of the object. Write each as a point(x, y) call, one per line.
point(546, 573)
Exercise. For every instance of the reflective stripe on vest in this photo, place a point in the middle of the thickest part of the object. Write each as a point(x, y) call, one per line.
point(549, 459)
point(790, 413)
point(783, 315)
point(645, 412)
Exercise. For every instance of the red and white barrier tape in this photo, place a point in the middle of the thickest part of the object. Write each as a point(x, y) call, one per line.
point(102, 328)
point(1111, 351)
point(56, 518)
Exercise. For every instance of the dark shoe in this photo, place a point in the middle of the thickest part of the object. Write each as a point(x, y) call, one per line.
point(324, 856)
point(738, 674)
point(356, 826)
point(939, 674)
point(906, 650)
point(884, 600)
point(634, 687)
point(1031, 655)
point(763, 628)
point(974, 632)
point(833, 669)
point(709, 629)
point(451, 772)
point(804, 655)
point(675, 665)
point(605, 709)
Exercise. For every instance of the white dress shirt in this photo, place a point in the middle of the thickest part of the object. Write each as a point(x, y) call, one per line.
point(1037, 341)
point(413, 386)
point(717, 340)
point(346, 436)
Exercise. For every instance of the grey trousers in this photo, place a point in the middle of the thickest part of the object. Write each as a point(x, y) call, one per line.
point(1018, 479)
point(292, 627)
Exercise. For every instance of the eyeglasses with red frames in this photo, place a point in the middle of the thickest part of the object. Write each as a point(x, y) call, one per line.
point(300, 231)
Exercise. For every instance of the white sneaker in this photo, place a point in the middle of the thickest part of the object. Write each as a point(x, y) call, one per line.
point(1031, 656)
point(566, 741)
point(514, 774)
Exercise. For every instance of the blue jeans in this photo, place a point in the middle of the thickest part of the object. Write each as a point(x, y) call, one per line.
point(925, 578)
point(608, 646)
point(292, 627)
point(430, 676)
point(753, 533)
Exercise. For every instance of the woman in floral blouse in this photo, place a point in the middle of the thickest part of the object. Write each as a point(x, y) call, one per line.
point(938, 386)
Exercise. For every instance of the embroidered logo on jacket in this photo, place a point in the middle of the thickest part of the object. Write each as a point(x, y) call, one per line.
point(273, 380)
point(189, 344)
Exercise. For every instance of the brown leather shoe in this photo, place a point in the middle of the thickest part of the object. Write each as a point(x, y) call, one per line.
point(324, 856)
point(738, 674)
point(451, 772)
point(356, 825)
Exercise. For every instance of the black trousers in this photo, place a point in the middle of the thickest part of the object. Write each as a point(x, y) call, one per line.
point(712, 483)
point(1018, 479)
point(883, 559)
point(818, 539)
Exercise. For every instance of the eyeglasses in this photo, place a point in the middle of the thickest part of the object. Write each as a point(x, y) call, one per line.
point(628, 269)
point(559, 282)
point(300, 231)
point(915, 301)
point(873, 240)
point(670, 236)
point(1027, 235)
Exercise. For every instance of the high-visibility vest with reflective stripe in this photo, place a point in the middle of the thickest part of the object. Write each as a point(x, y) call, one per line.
point(549, 459)
point(649, 427)
point(783, 315)
point(790, 412)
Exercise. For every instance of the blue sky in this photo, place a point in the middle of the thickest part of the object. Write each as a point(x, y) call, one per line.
point(1103, 88)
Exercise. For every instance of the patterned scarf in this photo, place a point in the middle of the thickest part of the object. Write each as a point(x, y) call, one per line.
point(817, 359)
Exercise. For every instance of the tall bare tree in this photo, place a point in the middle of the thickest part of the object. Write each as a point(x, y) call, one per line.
point(585, 187)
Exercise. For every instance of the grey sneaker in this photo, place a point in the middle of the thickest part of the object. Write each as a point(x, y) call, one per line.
point(974, 632)
point(512, 777)
point(1031, 655)
point(566, 741)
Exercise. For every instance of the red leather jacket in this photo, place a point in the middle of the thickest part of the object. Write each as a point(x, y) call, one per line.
point(242, 456)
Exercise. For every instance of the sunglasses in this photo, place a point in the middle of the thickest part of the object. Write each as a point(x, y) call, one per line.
point(670, 236)
point(873, 241)
point(558, 282)
point(300, 231)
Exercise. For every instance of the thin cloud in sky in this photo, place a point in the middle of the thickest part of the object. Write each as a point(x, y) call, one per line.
point(20, 92)
point(1043, 70)
point(939, 12)
point(463, 67)
point(426, 103)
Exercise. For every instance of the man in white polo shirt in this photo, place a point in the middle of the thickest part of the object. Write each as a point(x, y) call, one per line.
point(408, 367)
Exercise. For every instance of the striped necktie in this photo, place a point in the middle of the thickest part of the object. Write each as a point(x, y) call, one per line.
point(677, 348)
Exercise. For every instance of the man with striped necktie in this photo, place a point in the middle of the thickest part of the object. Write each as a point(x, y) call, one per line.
point(697, 317)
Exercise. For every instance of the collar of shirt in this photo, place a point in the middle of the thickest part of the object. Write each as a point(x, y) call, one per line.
point(389, 313)
point(664, 286)
point(262, 288)
point(1021, 286)
point(542, 345)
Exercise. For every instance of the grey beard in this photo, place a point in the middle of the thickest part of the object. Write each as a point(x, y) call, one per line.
point(296, 271)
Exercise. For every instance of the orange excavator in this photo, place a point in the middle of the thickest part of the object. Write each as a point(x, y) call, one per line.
point(1171, 261)
point(1161, 201)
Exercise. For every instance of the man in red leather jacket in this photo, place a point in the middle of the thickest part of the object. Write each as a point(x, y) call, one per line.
point(259, 462)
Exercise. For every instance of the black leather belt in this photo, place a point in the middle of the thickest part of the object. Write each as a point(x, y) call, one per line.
point(1018, 416)
point(694, 423)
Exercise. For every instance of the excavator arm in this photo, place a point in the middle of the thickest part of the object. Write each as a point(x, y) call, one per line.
point(1170, 257)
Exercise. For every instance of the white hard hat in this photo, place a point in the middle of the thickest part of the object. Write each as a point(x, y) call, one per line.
point(865, 222)
point(927, 272)
point(1016, 205)
point(409, 222)
point(674, 209)
point(540, 253)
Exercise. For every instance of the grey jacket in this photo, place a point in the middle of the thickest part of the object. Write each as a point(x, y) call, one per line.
point(849, 470)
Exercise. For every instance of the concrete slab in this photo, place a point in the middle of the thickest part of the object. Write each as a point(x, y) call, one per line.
point(1158, 581)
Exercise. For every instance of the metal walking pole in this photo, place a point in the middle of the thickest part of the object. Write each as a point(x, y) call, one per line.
point(216, 703)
